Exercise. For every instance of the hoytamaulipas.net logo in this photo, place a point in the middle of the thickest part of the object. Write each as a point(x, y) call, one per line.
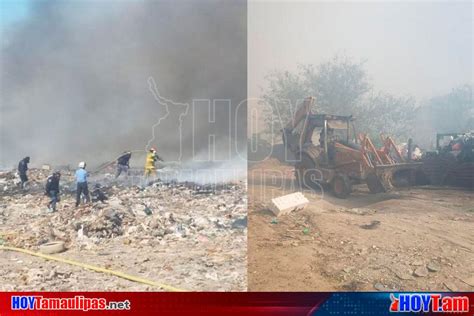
point(429, 302)
point(24, 302)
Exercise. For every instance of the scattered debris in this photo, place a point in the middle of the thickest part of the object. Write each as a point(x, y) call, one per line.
point(383, 288)
point(402, 273)
point(35, 275)
point(348, 269)
point(147, 210)
point(417, 229)
point(52, 247)
point(288, 203)
point(372, 225)
point(380, 287)
point(240, 223)
point(167, 222)
point(420, 272)
point(453, 162)
point(433, 266)
point(359, 211)
point(98, 195)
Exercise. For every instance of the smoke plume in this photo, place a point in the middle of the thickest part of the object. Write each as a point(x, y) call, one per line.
point(75, 79)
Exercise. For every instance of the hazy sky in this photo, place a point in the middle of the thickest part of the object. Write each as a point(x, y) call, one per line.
point(412, 48)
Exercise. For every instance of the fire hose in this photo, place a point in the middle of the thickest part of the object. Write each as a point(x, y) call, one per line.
point(106, 164)
point(111, 162)
point(95, 268)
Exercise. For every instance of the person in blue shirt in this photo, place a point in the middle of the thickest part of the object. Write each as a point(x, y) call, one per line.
point(81, 180)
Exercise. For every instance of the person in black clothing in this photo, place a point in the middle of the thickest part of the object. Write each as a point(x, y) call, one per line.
point(98, 194)
point(22, 168)
point(330, 139)
point(52, 190)
point(123, 163)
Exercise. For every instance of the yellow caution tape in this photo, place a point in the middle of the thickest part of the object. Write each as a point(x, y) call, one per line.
point(94, 268)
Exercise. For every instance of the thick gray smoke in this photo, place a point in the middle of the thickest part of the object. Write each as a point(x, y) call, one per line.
point(75, 79)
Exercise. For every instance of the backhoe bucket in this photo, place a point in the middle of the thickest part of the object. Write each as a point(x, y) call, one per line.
point(381, 179)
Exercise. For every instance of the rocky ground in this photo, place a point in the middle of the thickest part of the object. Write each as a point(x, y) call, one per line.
point(411, 239)
point(188, 236)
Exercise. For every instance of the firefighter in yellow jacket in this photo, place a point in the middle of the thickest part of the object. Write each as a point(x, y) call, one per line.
point(151, 158)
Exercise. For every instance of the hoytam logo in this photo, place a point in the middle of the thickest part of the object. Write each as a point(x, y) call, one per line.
point(66, 303)
point(436, 303)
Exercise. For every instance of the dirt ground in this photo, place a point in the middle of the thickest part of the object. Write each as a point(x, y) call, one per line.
point(418, 238)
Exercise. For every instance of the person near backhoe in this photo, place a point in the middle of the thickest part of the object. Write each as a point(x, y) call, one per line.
point(331, 139)
point(330, 136)
point(123, 163)
point(52, 190)
point(22, 170)
point(151, 158)
point(81, 181)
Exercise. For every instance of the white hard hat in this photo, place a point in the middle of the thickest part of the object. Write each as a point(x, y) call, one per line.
point(82, 164)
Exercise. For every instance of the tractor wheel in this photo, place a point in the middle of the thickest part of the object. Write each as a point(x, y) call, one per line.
point(374, 184)
point(306, 174)
point(341, 186)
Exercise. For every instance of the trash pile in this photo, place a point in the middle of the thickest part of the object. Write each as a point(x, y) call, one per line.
point(177, 217)
point(461, 147)
point(9, 181)
point(453, 164)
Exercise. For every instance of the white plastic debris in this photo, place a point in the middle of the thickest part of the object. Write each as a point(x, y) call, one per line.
point(288, 203)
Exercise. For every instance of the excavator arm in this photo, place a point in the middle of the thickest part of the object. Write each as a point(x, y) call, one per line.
point(294, 141)
point(302, 112)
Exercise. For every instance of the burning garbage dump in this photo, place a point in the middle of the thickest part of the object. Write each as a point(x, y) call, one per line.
point(190, 220)
point(184, 223)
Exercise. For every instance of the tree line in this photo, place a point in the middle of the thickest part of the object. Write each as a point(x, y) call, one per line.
point(343, 86)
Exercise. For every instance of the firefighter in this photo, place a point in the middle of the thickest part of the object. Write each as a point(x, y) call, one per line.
point(22, 168)
point(123, 163)
point(81, 180)
point(151, 158)
point(52, 190)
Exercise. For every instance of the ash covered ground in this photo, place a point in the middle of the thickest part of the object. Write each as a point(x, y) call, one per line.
point(186, 235)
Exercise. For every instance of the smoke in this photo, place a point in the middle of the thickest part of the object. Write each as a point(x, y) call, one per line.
point(201, 170)
point(75, 80)
point(206, 172)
